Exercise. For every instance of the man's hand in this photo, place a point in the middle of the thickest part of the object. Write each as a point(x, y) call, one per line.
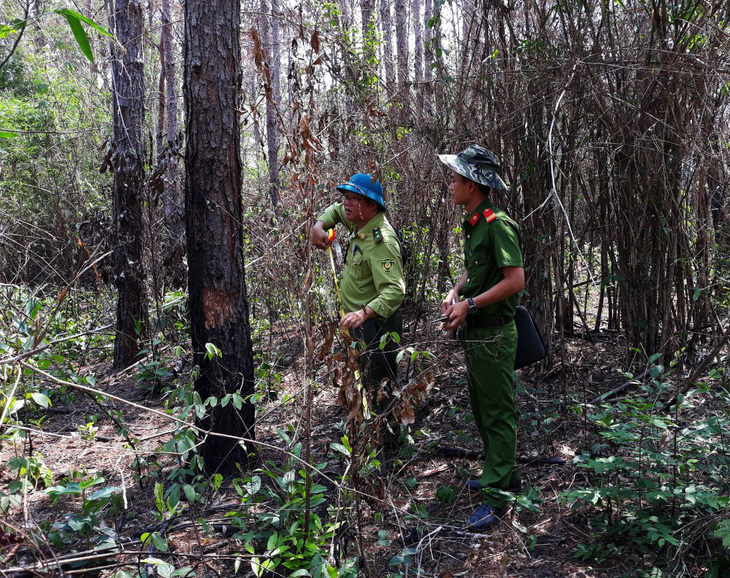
point(451, 298)
point(353, 320)
point(318, 236)
point(457, 315)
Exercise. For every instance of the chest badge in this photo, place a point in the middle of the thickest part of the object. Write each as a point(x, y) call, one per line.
point(377, 235)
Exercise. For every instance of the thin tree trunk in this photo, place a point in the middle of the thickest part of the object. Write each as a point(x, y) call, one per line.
point(367, 9)
point(428, 57)
point(401, 42)
point(386, 23)
point(270, 38)
point(172, 235)
point(129, 180)
point(418, 38)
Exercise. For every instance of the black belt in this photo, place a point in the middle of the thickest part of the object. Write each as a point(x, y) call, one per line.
point(488, 321)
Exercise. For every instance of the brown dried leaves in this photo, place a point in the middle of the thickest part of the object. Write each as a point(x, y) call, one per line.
point(411, 397)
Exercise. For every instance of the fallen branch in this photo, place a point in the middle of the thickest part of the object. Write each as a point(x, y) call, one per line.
point(32, 352)
point(453, 452)
point(620, 389)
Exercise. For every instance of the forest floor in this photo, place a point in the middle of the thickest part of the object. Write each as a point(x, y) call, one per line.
point(405, 511)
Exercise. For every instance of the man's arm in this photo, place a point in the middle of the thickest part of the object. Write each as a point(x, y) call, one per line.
point(355, 319)
point(318, 236)
point(332, 215)
point(513, 283)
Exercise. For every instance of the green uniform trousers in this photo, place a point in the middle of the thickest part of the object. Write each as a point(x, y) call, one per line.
point(490, 360)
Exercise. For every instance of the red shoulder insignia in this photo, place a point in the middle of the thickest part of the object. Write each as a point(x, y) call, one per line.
point(489, 215)
point(474, 218)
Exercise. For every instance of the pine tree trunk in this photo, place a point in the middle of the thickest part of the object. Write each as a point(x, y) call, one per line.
point(367, 8)
point(401, 42)
point(418, 39)
point(216, 278)
point(270, 38)
point(173, 236)
point(129, 180)
point(386, 23)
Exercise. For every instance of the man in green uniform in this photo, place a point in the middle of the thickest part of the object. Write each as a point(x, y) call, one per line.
point(483, 303)
point(372, 286)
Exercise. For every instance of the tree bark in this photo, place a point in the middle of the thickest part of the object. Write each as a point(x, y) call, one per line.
point(172, 236)
point(386, 23)
point(270, 38)
point(367, 8)
point(401, 42)
point(418, 39)
point(216, 278)
point(129, 180)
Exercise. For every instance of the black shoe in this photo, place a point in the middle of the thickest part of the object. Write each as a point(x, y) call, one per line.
point(476, 485)
point(484, 517)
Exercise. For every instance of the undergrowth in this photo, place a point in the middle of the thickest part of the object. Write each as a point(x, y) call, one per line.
point(653, 475)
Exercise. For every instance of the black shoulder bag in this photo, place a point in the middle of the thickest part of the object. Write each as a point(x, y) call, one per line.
point(530, 346)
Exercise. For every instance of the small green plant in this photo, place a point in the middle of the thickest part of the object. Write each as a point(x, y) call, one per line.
point(75, 527)
point(89, 430)
point(279, 538)
point(405, 559)
point(33, 469)
point(287, 521)
point(447, 494)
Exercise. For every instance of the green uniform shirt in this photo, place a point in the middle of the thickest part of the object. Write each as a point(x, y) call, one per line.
point(373, 273)
point(491, 241)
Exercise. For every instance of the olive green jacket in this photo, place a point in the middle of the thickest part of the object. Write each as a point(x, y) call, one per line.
point(373, 273)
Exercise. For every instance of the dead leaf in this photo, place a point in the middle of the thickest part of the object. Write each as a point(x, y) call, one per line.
point(355, 413)
point(406, 415)
point(337, 378)
point(382, 393)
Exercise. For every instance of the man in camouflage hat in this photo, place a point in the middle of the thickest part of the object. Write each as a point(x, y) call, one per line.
point(483, 303)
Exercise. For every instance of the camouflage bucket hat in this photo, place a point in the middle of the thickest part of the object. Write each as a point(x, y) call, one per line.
point(477, 164)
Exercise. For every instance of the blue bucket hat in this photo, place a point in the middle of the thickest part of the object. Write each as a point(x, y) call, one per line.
point(366, 185)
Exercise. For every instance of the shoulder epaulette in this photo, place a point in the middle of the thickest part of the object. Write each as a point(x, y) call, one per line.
point(377, 235)
point(489, 215)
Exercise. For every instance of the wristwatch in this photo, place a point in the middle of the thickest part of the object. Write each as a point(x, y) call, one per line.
point(472, 306)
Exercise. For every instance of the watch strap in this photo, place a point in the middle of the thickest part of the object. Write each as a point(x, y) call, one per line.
point(472, 305)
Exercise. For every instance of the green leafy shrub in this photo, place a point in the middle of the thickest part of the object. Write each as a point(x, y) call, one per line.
point(280, 529)
point(653, 475)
